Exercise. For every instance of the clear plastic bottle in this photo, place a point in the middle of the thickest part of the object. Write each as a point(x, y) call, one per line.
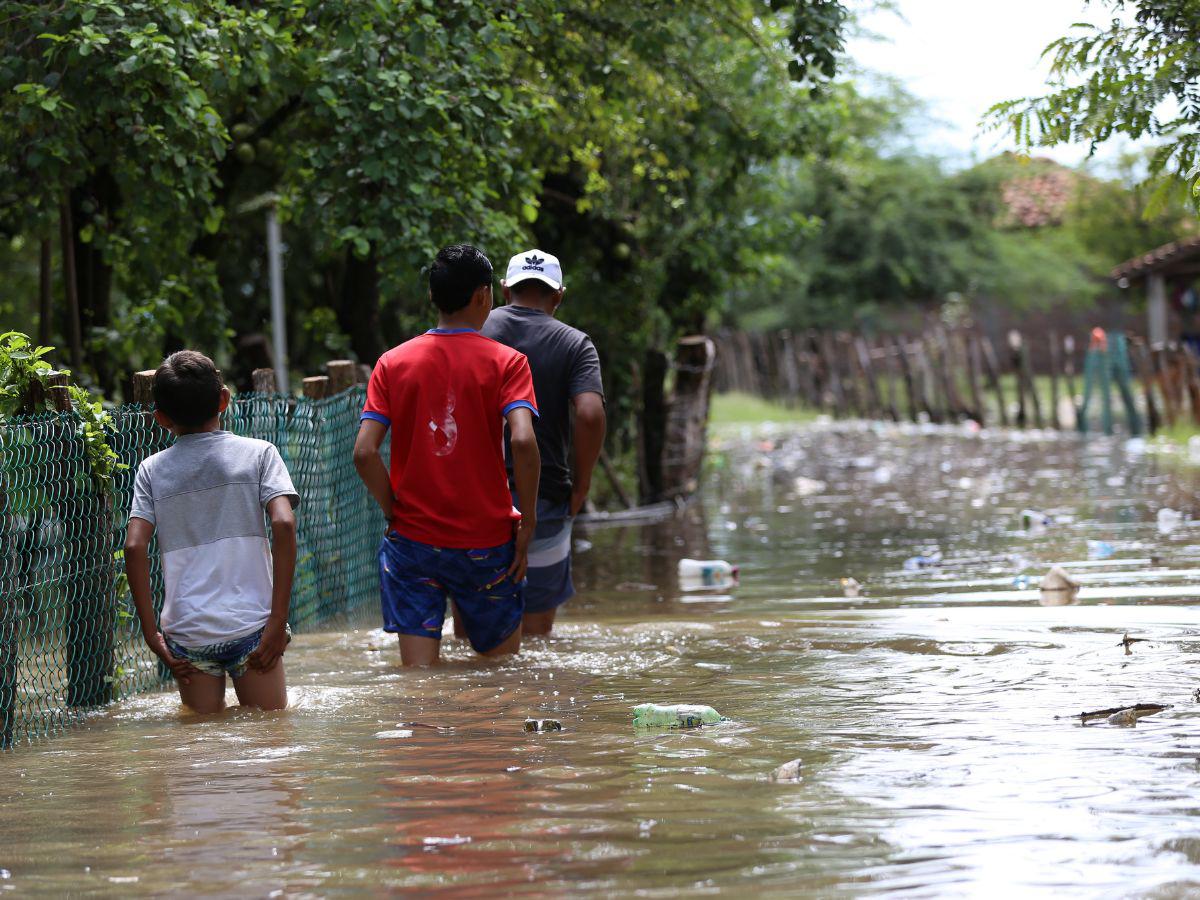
point(675, 715)
point(697, 574)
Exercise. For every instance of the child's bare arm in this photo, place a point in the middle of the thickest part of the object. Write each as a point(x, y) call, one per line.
point(527, 470)
point(137, 570)
point(283, 555)
point(370, 465)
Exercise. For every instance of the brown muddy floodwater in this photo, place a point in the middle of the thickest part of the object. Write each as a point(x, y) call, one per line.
point(923, 712)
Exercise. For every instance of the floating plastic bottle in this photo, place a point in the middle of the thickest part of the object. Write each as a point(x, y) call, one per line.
point(930, 560)
point(1100, 549)
point(1169, 520)
point(851, 587)
point(676, 715)
point(1033, 520)
point(701, 574)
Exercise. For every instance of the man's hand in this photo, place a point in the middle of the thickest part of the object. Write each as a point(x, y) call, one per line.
point(180, 668)
point(520, 562)
point(270, 648)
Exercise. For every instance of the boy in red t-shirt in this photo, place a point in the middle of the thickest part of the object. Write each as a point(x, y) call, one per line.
point(454, 533)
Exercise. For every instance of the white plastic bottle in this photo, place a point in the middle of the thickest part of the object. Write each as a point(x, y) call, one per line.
point(699, 574)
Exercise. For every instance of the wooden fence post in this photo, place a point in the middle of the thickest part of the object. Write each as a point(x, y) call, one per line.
point(1141, 357)
point(263, 381)
point(1159, 360)
point(315, 387)
point(687, 416)
point(991, 365)
point(874, 403)
point(970, 355)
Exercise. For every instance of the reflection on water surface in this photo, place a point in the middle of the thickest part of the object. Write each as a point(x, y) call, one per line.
point(922, 711)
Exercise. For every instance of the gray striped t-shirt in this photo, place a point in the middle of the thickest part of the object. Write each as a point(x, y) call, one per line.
point(205, 497)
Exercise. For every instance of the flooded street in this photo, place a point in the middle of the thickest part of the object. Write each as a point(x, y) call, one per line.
point(923, 711)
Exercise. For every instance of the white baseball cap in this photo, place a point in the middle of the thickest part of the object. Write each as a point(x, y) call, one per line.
point(534, 264)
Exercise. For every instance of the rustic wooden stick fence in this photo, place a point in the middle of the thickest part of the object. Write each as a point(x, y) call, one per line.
point(955, 375)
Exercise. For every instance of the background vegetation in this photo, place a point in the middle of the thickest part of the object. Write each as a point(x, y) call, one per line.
point(691, 163)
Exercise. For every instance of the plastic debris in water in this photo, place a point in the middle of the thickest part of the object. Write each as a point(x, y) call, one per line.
point(701, 574)
point(1034, 521)
point(1124, 716)
point(1169, 520)
point(676, 715)
point(930, 560)
point(543, 725)
point(851, 587)
point(1127, 642)
point(789, 772)
point(1100, 549)
point(1022, 582)
point(806, 487)
point(1058, 588)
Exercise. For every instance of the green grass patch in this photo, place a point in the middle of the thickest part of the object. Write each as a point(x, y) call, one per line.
point(745, 409)
point(1179, 433)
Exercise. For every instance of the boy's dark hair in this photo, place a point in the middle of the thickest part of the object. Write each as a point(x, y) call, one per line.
point(455, 275)
point(187, 388)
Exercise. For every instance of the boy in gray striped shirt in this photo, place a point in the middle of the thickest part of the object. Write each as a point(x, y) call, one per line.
point(227, 589)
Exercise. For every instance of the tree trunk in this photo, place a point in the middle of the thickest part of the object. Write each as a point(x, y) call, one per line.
point(653, 424)
point(358, 307)
point(96, 200)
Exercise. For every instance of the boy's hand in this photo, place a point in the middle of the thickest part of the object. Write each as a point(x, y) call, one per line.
point(520, 562)
point(270, 647)
point(180, 668)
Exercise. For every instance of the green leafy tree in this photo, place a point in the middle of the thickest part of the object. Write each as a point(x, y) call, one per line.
point(110, 122)
point(1137, 76)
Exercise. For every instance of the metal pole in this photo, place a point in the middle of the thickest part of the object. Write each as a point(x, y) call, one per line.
point(278, 322)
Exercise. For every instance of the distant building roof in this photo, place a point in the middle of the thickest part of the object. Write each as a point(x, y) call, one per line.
point(1039, 197)
point(1177, 257)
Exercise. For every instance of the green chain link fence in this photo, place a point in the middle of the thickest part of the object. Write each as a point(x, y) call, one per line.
point(69, 638)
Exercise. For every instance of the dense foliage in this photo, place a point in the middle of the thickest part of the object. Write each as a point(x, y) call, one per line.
point(689, 162)
point(25, 388)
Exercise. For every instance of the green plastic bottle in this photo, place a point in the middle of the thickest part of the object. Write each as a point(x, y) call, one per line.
point(676, 715)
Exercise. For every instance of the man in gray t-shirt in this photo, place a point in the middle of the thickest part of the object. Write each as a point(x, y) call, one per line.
point(567, 382)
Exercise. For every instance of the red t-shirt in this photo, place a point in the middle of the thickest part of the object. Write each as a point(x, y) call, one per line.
point(445, 395)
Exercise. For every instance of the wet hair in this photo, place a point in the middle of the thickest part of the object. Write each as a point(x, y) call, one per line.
point(187, 388)
point(457, 272)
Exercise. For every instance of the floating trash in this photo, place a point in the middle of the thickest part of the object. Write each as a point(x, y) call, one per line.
point(1058, 588)
point(788, 773)
point(930, 560)
point(1125, 716)
point(1034, 521)
point(1022, 582)
point(703, 574)
point(1100, 549)
point(1169, 520)
point(851, 587)
point(806, 487)
point(1127, 642)
point(677, 715)
point(540, 725)
point(397, 733)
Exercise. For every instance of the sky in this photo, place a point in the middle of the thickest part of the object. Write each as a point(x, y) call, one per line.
point(961, 56)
